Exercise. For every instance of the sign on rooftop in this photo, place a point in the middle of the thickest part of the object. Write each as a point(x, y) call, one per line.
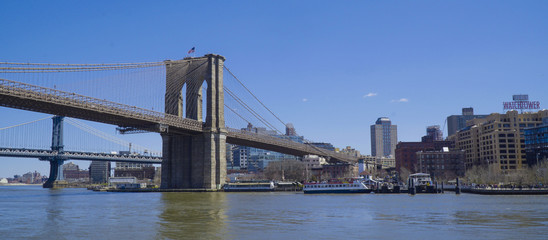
point(521, 101)
point(521, 97)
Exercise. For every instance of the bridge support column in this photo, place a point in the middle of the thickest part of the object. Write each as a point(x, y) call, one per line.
point(196, 161)
point(55, 178)
point(56, 164)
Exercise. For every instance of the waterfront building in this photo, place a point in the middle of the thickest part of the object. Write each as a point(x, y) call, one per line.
point(339, 170)
point(140, 171)
point(313, 161)
point(31, 178)
point(445, 164)
point(367, 164)
point(406, 152)
point(498, 139)
point(254, 159)
point(458, 122)
point(387, 162)
point(72, 173)
point(99, 171)
point(384, 137)
point(230, 158)
point(350, 151)
point(239, 156)
point(536, 143)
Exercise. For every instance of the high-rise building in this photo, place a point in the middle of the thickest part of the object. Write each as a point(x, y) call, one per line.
point(384, 137)
point(290, 130)
point(99, 171)
point(434, 132)
point(498, 139)
point(458, 122)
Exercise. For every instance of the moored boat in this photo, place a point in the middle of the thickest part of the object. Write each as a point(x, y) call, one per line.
point(337, 186)
point(249, 187)
point(421, 182)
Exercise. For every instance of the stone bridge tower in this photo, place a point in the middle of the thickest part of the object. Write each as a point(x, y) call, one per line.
point(195, 160)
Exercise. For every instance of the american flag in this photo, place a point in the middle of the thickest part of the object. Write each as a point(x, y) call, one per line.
point(191, 50)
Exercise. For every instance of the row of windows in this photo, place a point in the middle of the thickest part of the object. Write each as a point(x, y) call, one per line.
point(506, 135)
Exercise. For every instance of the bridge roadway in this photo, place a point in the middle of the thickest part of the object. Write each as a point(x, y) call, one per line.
point(90, 156)
point(24, 96)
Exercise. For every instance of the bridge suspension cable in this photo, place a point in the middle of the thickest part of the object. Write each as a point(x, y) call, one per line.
point(248, 108)
point(13, 67)
point(237, 114)
point(232, 74)
point(107, 137)
point(22, 124)
point(258, 116)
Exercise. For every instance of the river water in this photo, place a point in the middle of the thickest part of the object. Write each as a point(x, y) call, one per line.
point(30, 212)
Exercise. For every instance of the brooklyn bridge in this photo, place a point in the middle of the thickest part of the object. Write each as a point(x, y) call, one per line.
point(196, 103)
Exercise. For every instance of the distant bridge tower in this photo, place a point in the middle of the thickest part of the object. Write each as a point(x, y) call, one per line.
point(56, 163)
point(197, 160)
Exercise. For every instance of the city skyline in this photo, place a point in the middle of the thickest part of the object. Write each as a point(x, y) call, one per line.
point(339, 66)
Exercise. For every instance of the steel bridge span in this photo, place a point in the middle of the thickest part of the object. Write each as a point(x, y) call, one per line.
point(193, 149)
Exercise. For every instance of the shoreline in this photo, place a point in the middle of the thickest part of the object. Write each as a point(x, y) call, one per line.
point(20, 184)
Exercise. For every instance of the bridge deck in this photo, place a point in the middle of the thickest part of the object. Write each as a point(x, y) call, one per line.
point(46, 100)
point(73, 155)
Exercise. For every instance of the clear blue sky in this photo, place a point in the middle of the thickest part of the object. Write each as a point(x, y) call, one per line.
point(329, 67)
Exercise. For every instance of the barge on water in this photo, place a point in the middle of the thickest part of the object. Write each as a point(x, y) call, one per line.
point(264, 186)
point(337, 186)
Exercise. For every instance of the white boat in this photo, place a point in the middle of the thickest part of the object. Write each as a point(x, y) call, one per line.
point(337, 186)
point(422, 182)
point(249, 187)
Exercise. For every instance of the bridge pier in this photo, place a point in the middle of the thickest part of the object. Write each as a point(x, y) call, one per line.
point(55, 178)
point(55, 163)
point(195, 161)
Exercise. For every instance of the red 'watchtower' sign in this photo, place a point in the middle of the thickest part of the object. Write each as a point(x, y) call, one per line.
point(521, 102)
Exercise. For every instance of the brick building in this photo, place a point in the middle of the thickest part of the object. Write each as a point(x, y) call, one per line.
point(406, 152)
point(443, 164)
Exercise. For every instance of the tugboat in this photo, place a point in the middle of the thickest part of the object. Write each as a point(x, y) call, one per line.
point(337, 186)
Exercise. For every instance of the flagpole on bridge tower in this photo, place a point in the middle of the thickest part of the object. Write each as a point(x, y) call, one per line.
point(192, 50)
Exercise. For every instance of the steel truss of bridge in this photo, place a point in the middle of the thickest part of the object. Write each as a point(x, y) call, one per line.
point(73, 155)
